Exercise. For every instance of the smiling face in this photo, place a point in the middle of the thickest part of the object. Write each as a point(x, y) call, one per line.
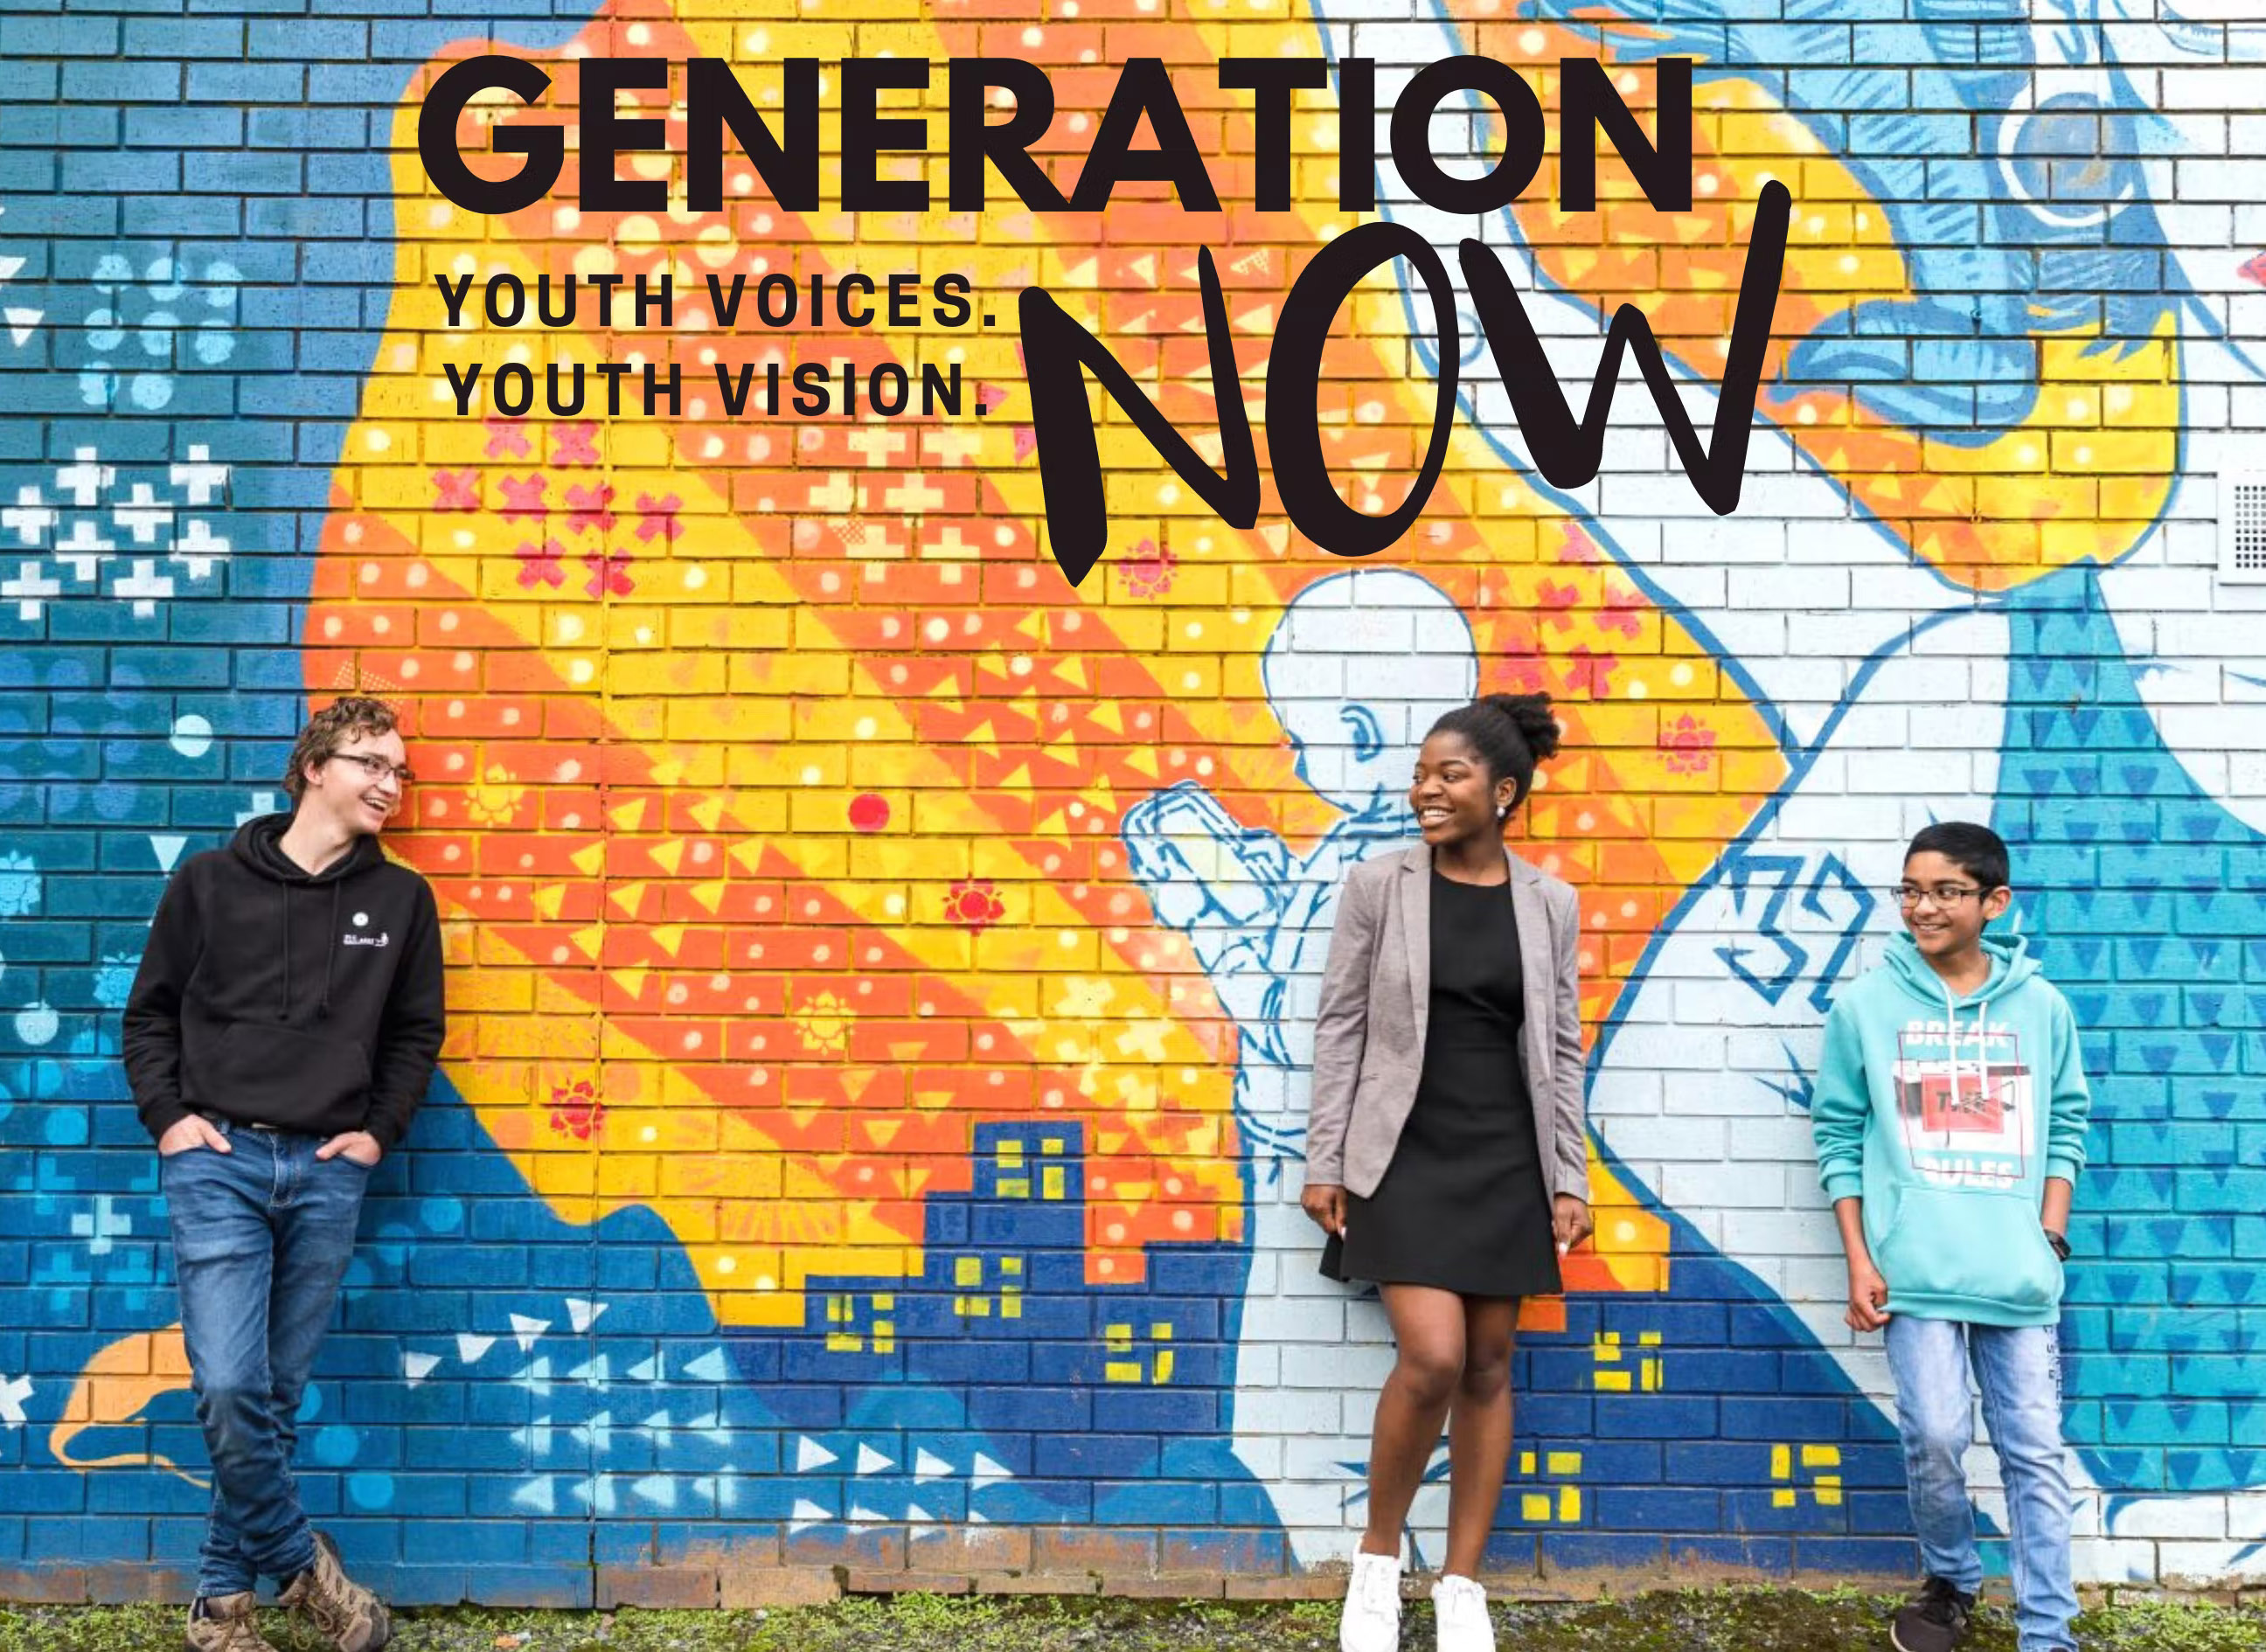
point(1455, 798)
point(342, 790)
point(1944, 929)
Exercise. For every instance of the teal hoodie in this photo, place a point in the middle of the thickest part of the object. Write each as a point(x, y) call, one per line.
point(1946, 1114)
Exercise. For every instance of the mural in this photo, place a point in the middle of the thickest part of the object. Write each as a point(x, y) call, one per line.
point(882, 976)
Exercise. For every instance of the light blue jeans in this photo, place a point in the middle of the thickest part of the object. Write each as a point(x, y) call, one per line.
point(262, 1235)
point(2018, 1371)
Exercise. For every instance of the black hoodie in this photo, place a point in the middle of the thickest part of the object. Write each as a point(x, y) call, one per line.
point(269, 995)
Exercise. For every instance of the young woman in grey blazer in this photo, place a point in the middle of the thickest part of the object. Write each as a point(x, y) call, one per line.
point(1447, 1157)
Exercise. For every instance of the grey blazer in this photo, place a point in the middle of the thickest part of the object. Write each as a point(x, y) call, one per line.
point(1376, 990)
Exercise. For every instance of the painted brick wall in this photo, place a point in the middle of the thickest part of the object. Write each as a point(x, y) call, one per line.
point(881, 974)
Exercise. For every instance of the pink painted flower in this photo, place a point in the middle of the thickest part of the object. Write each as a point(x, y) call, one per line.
point(588, 508)
point(1558, 601)
point(609, 573)
point(1623, 611)
point(1149, 570)
point(577, 444)
point(974, 903)
point(457, 490)
point(575, 1109)
point(1591, 671)
point(538, 564)
point(506, 438)
point(1688, 744)
point(522, 497)
point(658, 516)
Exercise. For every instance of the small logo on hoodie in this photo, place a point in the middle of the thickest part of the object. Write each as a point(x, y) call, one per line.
point(361, 921)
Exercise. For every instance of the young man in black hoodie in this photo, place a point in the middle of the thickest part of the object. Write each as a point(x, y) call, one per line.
point(279, 1035)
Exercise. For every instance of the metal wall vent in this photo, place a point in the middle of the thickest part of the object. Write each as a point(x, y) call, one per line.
point(2242, 528)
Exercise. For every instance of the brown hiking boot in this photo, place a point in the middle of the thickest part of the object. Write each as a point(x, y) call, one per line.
point(224, 1623)
point(346, 1614)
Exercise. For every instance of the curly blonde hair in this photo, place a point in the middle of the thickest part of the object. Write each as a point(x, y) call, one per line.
point(329, 729)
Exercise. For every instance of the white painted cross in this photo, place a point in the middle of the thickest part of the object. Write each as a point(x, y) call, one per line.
point(30, 588)
point(198, 547)
point(142, 516)
point(146, 586)
point(100, 1226)
point(86, 552)
point(200, 477)
point(878, 443)
point(86, 481)
point(31, 516)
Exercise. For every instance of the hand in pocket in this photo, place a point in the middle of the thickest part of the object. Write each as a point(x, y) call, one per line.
point(186, 1134)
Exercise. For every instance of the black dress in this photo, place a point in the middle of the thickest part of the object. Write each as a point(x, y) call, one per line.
point(1462, 1205)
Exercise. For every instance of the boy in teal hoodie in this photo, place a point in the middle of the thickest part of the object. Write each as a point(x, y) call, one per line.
point(1949, 1111)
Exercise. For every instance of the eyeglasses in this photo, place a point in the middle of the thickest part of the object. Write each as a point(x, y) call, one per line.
point(375, 768)
point(1943, 895)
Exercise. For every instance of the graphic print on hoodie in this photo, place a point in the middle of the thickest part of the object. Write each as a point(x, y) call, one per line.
point(271, 995)
point(1945, 1112)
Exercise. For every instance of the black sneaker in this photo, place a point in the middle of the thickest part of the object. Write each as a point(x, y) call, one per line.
point(1933, 1620)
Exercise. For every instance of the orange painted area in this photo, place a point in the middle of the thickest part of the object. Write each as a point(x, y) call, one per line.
point(111, 1391)
point(775, 775)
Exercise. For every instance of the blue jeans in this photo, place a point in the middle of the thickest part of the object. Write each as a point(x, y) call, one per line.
point(261, 1238)
point(2019, 1369)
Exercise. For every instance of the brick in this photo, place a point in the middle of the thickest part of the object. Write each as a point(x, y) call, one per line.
point(978, 1548)
point(166, 1584)
point(1293, 1586)
point(747, 1586)
point(656, 1586)
point(866, 1580)
point(1163, 1585)
point(1038, 1583)
point(1112, 1554)
point(878, 1547)
point(44, 1585)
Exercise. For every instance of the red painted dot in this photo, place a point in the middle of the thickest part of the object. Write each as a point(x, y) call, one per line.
point(869, 811)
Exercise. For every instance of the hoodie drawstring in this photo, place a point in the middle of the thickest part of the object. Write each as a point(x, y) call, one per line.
point(330, 954)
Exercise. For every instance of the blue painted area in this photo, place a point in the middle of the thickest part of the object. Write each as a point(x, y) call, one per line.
point(2007, 158)
point(482, 1370)
point(2145, 900)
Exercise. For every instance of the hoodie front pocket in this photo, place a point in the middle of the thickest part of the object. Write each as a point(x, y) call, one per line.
point(280, 1072)
point(1979, 1246)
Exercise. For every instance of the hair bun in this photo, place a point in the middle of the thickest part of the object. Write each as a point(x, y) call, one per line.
point(1531, 712)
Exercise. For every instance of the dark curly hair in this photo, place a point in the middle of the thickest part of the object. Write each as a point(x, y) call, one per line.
point(1510, 732)
point(330, 728)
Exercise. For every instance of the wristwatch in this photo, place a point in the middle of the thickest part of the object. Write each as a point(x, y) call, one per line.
point(2060, 1244)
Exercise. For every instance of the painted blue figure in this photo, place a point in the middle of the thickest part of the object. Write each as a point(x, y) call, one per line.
point(1360, 665)
point(2005, 153)
point(1920, 700)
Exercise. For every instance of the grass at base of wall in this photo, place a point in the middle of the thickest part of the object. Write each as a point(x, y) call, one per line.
point(1688, 1620)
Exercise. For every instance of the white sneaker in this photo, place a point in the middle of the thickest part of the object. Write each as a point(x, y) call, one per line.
point(1459, 1615)
point(1371, 1619)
